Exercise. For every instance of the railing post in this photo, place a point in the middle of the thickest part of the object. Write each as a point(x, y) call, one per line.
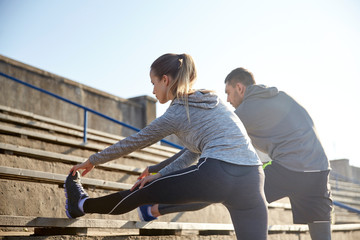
point(85, 125)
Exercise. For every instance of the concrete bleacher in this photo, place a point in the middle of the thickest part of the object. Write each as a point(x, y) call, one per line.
point(346, 193)
point(36, 154)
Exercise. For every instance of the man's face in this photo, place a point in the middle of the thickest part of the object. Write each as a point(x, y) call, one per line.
point(235, 94)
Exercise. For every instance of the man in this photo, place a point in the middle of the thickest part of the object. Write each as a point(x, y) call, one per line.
point(282, 128)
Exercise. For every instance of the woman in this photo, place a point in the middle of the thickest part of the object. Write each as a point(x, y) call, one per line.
point(228, 170)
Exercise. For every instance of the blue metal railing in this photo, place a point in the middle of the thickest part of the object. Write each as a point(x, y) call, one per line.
point(347, 207)
point(86, 110)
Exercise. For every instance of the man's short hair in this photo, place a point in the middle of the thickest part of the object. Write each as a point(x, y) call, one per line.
point(241, 75)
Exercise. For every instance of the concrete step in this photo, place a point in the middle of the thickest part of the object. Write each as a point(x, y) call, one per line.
point(29, 120)
point(28, 138)
point(346, 194)
point(343, 216)
point(50, 156)
point(338, 185)
point(44, 137)
point(51, 226)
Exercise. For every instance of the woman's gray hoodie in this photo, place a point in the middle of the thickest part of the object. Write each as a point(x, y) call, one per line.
point(213, 130)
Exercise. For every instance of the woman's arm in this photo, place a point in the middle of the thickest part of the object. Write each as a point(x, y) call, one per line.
point(154, 132)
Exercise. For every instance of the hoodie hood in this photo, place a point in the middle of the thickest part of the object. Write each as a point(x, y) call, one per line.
point(200, 99)
point(260, 91)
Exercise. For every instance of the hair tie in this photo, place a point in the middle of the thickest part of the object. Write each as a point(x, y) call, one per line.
point(181, 62)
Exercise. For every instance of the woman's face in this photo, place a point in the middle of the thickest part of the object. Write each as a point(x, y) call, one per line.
point(160, 87)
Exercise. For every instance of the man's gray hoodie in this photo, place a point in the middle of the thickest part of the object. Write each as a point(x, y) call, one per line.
point(213, 130)
point(282, 128)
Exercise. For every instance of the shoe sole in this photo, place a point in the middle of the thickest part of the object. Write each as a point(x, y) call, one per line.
point(66, 203)
point(140, 215)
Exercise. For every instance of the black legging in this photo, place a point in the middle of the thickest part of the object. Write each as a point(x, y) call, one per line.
point(238, 188)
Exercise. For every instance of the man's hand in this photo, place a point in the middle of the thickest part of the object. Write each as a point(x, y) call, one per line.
point(145, 173)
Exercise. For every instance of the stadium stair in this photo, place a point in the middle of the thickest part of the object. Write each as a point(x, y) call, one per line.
point(36, 154)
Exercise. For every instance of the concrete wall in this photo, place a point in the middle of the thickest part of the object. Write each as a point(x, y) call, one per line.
point(137, 112)
point(342, 167)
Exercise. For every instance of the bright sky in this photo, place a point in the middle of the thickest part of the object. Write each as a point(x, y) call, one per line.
point(310, 49)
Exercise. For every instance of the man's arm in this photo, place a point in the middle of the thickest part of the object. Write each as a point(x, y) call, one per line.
point(156, 168)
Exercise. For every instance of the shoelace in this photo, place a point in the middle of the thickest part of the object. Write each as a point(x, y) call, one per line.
point(80, 187)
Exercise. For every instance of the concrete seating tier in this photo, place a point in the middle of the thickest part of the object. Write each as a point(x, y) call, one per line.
point(36, 154)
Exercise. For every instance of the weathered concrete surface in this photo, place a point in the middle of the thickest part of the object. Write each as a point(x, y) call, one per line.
point(343, 168)
point(354, 235)
point(137, 112)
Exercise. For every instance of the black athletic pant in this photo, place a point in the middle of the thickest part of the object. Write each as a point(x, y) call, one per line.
point(239, 188)
point(309, 194)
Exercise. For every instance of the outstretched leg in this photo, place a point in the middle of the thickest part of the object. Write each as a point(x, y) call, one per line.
point(181, 187)
point(171, 208)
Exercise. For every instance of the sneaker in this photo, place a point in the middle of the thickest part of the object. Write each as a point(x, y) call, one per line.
point(74, 192)
point(145, 213)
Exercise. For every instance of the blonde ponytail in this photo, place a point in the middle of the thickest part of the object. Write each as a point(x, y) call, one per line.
point(181, 68)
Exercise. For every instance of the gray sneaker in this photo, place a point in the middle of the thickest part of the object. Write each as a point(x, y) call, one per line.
point(74, 192)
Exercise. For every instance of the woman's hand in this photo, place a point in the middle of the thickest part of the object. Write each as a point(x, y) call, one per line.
point(143, 181)
point(87, 165)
